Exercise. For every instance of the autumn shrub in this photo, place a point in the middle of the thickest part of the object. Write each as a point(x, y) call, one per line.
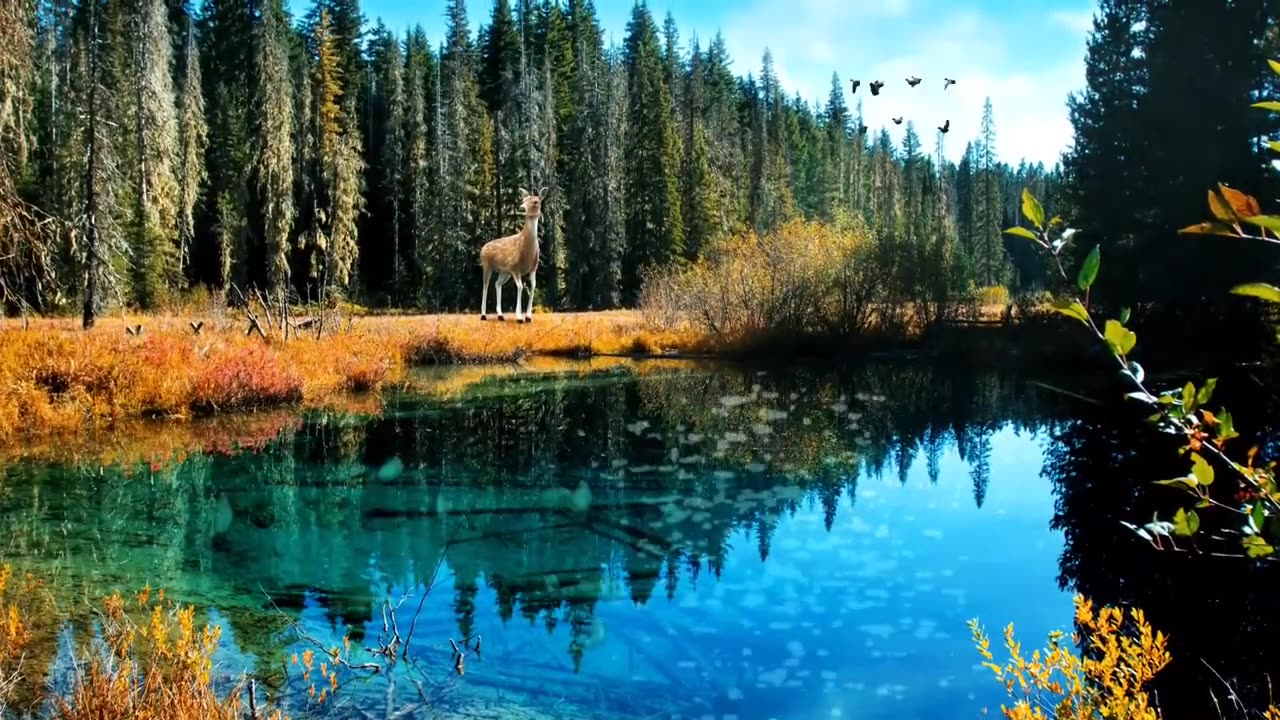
point(249, 376)
point(1119, 655)
point(803, 278)
point(1108, 679)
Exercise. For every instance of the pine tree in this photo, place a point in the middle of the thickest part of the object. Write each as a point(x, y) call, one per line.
point(95, 183)
point(226, 27)
point(464, 177)
point(418, 212)
point(193, 141)
point(700, 209)
point(725, 138)
point(381, 238)
point(544, 161)
point(154, 144)
point(338, 168)
point(1104, 162)
point(655, 231)
point(274, 143)
point(500, 47)
point(1187, 41)
point(989, 242)
point(609, 282)
point(833, 190)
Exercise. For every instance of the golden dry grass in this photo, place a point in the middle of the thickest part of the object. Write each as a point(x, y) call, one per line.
point(55, 378)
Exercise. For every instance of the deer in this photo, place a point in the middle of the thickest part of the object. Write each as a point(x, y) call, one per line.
point(513, 258)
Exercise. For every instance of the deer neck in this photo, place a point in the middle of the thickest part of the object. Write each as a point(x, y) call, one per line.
point(531, 233)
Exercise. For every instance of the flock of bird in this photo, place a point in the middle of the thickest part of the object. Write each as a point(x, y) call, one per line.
point(912, 81)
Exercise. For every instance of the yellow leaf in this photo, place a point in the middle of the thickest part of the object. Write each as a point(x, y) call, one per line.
point(1270, 293)
point(1220, 208)
point(1209, 228)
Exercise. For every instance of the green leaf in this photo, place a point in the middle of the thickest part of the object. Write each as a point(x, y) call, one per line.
point(1259, 515)
point(1185, 523)
point(1073, 309)
point(1268, 105)
point(1226, 426)
point(1022, 233)
point(1032, 209)
point(1124, 316)
point(1089, 271)
point(1270, 222)
point(1136, 371)
point(1188, 397)
point(1187, 482)
point(1119, 338)
point(1166, 399)
point(1270, 293)
point(1206, 391)
point(1201, 470)
point(1256, 547)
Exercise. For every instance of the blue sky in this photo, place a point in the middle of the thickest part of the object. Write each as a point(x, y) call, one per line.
point(1026, 56)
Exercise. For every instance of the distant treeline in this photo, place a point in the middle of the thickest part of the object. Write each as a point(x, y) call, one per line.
point(177, 146)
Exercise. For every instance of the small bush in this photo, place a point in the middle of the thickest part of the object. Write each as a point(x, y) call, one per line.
point(996, 296)
point(803, 278)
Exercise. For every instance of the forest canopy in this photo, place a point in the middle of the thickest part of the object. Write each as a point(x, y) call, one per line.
point(175, 145)
point(184, 145)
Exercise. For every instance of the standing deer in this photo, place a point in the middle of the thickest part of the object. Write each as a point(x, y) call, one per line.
point(513, 257)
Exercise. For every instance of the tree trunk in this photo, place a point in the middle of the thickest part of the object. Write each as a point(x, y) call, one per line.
point(92, 240)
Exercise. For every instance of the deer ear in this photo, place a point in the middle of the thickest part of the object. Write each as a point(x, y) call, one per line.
point(524, 192)
point(542, 192)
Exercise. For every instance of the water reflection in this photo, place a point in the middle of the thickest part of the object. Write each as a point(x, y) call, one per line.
point(656, 544)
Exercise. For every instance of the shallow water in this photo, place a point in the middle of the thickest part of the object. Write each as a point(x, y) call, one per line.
point(639, 543)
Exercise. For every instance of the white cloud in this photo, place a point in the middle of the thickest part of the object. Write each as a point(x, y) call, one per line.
point(811, 38)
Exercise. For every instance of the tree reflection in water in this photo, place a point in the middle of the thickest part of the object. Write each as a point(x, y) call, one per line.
point(552, 495)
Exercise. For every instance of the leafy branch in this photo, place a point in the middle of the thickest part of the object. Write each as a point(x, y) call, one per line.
point(1185, 413)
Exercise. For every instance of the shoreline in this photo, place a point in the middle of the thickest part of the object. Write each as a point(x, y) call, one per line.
point(56, 379)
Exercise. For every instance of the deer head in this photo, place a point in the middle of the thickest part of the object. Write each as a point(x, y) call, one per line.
point(532, 204)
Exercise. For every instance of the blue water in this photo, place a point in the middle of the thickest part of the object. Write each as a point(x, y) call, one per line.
point(625, 544)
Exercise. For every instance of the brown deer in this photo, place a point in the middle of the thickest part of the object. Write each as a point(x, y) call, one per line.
point(512, 258)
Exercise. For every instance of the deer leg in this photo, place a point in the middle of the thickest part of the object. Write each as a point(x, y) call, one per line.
point(484, 292)
point(519, 298)
point(533, 285)
point(502, 280)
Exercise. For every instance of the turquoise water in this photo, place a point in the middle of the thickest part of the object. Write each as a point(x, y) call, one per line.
point(678, 542)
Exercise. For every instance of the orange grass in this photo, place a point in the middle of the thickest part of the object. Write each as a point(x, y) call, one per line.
point(57, 379)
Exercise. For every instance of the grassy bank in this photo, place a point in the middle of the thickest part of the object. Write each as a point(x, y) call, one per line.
point(55, 378)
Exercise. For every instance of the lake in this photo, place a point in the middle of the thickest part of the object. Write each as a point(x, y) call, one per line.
point(653, 540)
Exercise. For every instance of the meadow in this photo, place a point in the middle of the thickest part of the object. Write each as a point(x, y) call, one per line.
point(56, 378)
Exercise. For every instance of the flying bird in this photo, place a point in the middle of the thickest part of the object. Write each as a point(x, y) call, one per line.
point(947, 82)
point(856, 83)
point(913, 81)
point(875, 87)
point(945, 127)
point(897, 121)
